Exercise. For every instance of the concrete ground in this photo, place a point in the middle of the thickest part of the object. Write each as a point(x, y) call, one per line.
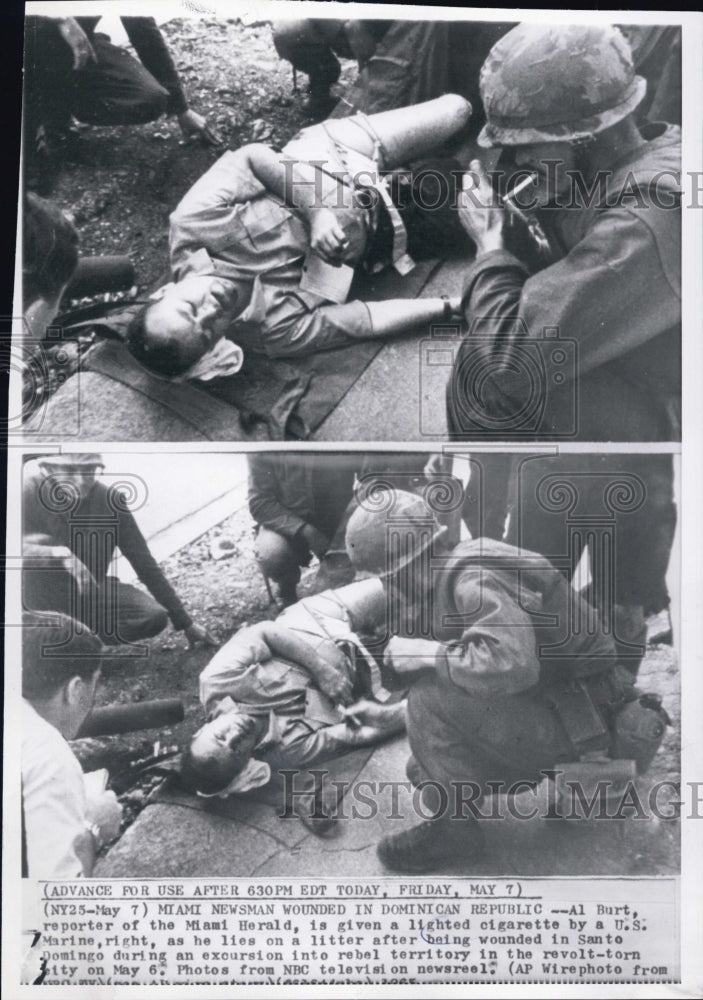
point(373, 409)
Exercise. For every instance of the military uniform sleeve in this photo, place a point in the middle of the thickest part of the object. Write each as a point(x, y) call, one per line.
point(133, 547)
point(219, 678)
point(293, 328)
point(264, 504)
point(208, 215)
point(582, 295)
point(149, 44)
point(497, 653)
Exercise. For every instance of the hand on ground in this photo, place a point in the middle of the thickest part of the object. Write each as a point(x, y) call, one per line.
point(194, 126)
point(196, 633)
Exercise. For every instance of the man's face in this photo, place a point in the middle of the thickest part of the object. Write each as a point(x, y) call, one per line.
point(225, 742)
point(192, 313)
point(81, 478)
point(550, 161)
point(78, 702)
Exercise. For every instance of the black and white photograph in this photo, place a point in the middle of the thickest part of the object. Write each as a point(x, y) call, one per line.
point(353, 578)
point(358, 627)
point(253, 240)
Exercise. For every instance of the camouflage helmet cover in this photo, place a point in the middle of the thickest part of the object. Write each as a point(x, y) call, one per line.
point(388, 536)
point(557, 83)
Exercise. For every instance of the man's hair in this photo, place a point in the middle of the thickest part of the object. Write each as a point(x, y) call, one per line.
point(161, 358)
point(50, 250)
point(55, 649)
point(204, 773)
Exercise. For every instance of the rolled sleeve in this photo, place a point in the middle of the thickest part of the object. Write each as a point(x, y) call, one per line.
point(303, 743)
point(293, 329)
point(220, 677)
point(497, 653)
point(209, 214)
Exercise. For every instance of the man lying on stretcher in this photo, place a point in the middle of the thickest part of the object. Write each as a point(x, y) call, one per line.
point(291, 693)
point(265, 244)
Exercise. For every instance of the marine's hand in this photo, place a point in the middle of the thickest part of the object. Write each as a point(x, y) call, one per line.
point(194, 126)
point(364, 713)
point(479, 213)
point(370, 720)
point(196, 633)
point(327, 238)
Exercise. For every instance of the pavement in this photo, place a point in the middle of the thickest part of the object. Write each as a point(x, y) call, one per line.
point(400, 396)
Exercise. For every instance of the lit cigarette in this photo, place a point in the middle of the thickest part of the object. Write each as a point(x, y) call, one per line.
point(522, 186)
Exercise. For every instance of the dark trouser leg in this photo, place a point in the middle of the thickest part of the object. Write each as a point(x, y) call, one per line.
point(117, 90)
point(485, 505)
point(116, 611)
point(280, 559)
point(622, 507)
point(46, 101)
point(309, 45)
point(130, 614)
point(457, 737)
point(464, 747)
point(50, 590)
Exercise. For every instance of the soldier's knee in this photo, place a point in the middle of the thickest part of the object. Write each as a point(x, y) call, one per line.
point(149, 622)
point(275, 555)
point(288, 36)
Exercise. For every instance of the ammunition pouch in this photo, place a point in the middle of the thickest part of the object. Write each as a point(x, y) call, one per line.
point(599, 717)
point(583, 718)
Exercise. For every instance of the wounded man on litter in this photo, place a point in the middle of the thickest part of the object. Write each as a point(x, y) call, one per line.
point(265, 244)
point(291, 693)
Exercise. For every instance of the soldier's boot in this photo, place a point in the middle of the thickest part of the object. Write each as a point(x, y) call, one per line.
point(433, 844)
point(404, 133)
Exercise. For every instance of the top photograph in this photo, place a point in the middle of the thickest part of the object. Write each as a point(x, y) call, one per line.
point(324, 230)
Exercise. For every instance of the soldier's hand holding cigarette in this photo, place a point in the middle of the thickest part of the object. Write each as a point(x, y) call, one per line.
point(480, 212)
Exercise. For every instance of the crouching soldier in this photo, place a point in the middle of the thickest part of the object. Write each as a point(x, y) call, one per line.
point(72, 524)
point(291, 693)
point(517, 674)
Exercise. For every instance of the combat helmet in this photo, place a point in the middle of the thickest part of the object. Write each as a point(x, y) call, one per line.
point(387, 533)
point(557, 83)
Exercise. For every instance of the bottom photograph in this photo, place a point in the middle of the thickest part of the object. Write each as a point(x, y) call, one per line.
point(349, 665)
